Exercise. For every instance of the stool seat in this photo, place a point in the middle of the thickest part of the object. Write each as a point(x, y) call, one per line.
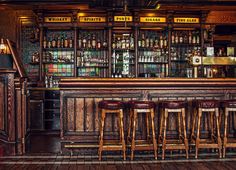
point(135, 104)
point(111, 104)
point(206, 104)
point(173, 104)
point(228, 103)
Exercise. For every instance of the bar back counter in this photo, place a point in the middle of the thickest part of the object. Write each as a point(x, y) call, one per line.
point(80, 116)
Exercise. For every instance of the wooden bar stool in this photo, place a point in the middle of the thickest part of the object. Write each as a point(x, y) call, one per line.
point(229, 106)
point(148, 108)
point(112, 107)
point(179, 108)
point(211, 107)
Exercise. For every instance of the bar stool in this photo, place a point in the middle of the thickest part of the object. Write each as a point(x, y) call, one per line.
point(173, 107)
point(207, 106)
point(229, 106)
point(148, 108)
point(113, 107)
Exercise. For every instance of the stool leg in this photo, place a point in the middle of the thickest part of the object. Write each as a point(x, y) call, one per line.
point(130, 124)
point(179, 124)
point(122, 134)
point(153, 134)
point(212, 126)
point(225, 131)
point(147, 122)
point(185, 134)
point(161, 125)
point(133, 134)
point(194, 121)
point(101, 135)
point(218, 132)
point(164, 136)
point(198, 131)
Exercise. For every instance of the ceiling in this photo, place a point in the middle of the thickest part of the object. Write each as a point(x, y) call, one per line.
point(119, 4)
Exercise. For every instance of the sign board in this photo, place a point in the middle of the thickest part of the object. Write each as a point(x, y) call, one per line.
point(92, 19)
point(152, 19)
point(123, 18)
point(57, 19)
point(186, 20)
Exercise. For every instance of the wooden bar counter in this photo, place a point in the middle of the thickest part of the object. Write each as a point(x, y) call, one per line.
point(79, 99)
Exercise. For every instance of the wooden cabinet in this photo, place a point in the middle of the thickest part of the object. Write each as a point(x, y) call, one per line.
point(94, 44)
point(45, 110)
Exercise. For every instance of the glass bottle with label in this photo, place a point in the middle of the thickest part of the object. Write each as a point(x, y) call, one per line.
point(93, 41)
point(44, 42)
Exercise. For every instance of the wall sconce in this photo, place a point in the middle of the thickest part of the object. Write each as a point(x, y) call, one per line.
point(3, 47)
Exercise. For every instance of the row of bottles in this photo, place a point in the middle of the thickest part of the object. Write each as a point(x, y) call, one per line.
point(51, 82)
point(88, 58)
point(123, 41)
point(184, 54)
point(185, 37)
point(91, 41)
point(152, 41)
point(59, 40)
point(58, 56)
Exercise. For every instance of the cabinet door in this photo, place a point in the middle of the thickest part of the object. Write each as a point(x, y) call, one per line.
point(36, 115)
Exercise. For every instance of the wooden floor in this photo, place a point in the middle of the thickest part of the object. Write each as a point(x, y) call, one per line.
point(55, 162)
point(44, 153)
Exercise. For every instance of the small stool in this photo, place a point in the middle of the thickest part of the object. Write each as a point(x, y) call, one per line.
point(229, 106)
point(207, 106)
point(147, 107)
point(112, 106)
point(174, 107)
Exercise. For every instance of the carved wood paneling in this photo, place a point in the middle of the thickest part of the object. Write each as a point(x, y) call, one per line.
point(2, 104)
point(82, 118)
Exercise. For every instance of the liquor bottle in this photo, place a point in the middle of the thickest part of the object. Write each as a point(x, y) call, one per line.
point(114, 42)
point(79, 42)
point(197, 38)
point(53, 42)
point(71, 42)
point(143, 40)
point(123, 43)
point(181, 38)
point(140, 42)
point(161, 42)
point(44, 42)
point(98, 44)
point(89, 43)
point(156, 43)
point(46, 81)
point(165, 42)
point(58, 42)
point(84, 41)
point(194, 38)
point(131, 41)
point(185, 38)
point(49, 43)
point(190, 37)
point(176, 38)
point(104, 44)
point(151, 42)
point(127, 43)
point(172, 38)
point(66, 44)
point(62, 41)
point(118, 43)
point(147, 42)
point(93, 41)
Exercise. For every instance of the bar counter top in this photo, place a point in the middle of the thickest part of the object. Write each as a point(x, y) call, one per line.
point(146, 82)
